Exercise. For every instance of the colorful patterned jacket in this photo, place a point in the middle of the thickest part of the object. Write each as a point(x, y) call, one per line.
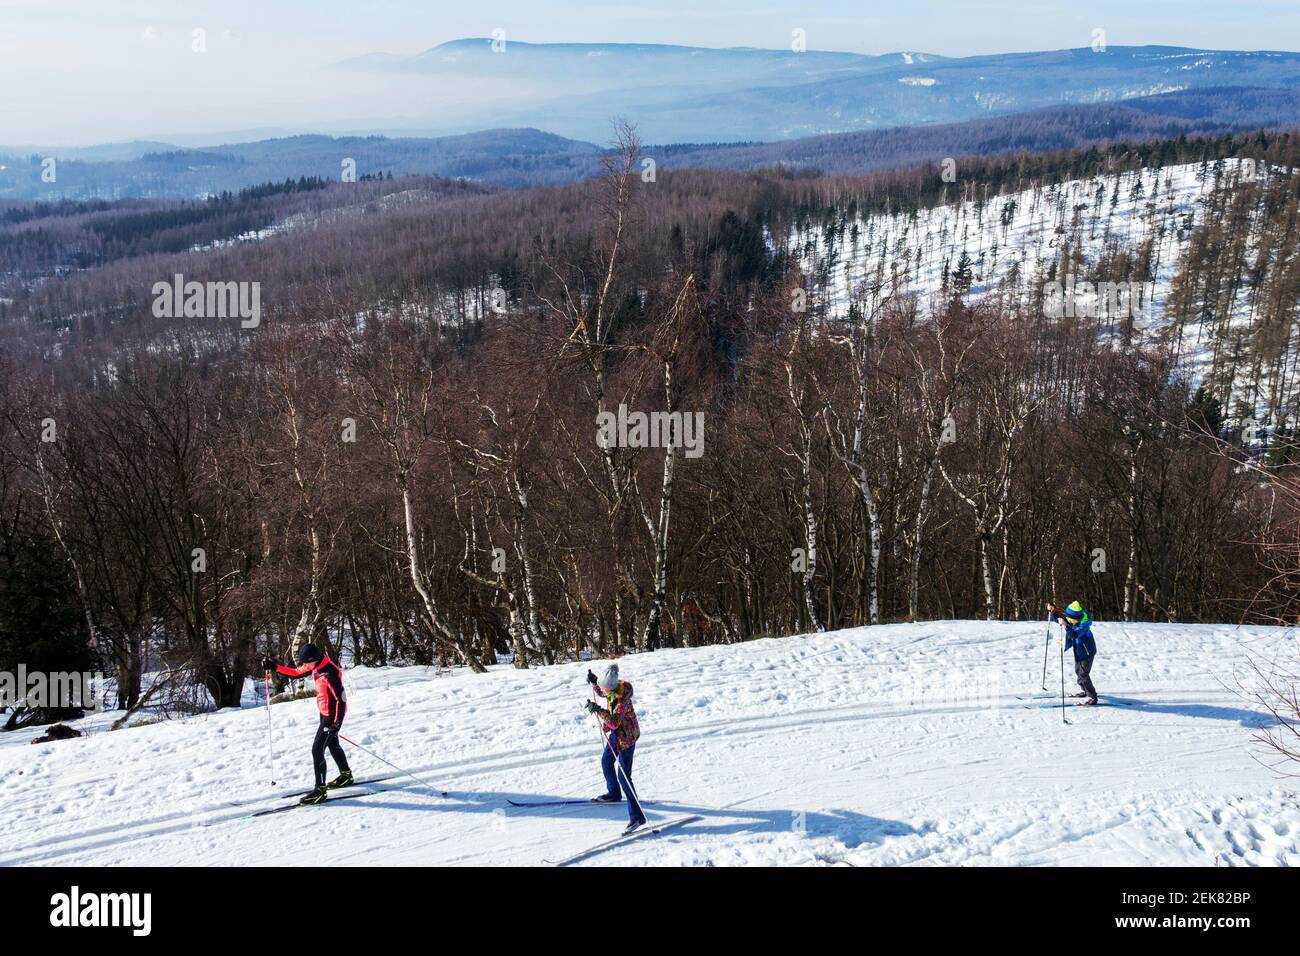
point(620, 717)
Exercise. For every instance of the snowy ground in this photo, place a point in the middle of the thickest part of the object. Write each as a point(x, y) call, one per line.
point(889, 745)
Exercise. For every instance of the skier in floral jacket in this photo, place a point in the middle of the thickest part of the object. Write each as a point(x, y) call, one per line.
point(619, 724)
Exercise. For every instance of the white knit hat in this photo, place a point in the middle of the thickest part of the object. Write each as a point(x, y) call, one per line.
point(609, 680)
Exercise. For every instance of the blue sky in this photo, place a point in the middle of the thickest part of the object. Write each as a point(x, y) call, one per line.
point(949, 27)
point(95, 70)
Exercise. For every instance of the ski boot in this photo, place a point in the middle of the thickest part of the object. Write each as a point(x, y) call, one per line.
point(342, 780)
point(1079, 693)
point(633, 827)
point(316, 796)
point(607, 798)
point(1090, 702)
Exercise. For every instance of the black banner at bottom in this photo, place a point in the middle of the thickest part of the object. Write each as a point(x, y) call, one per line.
point(368, 906)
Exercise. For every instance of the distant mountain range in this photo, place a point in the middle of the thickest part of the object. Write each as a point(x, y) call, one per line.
point(686, 94)
point(528, 157)
point(1167, 115)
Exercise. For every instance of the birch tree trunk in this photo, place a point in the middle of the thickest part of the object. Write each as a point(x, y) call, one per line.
point(990, 608)
point(810, 537)
point(859, 468)
point(659, 530)
point(532, 636)
point(651, 636)
point(433, 618)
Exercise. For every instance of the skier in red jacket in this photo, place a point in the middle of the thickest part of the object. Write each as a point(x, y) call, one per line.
point(332, 705)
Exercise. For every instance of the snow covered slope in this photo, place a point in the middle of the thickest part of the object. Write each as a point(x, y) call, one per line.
point(1013, 240)
point(889, 745)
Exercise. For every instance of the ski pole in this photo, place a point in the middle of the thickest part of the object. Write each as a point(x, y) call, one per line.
point(441, 793)
point(1063, 720)
point(1047, 644)
point(270, 738)
point(618, 764)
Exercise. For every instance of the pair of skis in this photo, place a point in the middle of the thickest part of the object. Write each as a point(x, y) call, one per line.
point(1028, 702)
point(347, 794)
point(357, 788)
point(650, 829)
point(367, 788)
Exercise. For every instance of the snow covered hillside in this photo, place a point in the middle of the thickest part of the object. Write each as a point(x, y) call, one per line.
point(1138, 223)
point(878, 746)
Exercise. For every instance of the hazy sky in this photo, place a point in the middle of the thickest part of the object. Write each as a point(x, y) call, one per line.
point(90, 71)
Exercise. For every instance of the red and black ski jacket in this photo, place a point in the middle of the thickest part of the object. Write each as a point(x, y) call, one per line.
point(329, 686)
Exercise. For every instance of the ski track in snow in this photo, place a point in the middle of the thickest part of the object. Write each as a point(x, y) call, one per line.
point(894, 745)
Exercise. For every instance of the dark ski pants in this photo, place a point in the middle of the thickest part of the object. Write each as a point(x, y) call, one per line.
point(1081, 671)
point(327, 735)
point(634, 812)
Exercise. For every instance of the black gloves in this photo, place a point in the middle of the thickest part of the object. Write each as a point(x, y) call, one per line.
point(591, 679)
point(267, 665)
point(591, 707)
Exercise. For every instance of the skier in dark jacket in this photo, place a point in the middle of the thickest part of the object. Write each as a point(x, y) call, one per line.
point(1078, 636)
point(619, 723)
point(332, 705)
